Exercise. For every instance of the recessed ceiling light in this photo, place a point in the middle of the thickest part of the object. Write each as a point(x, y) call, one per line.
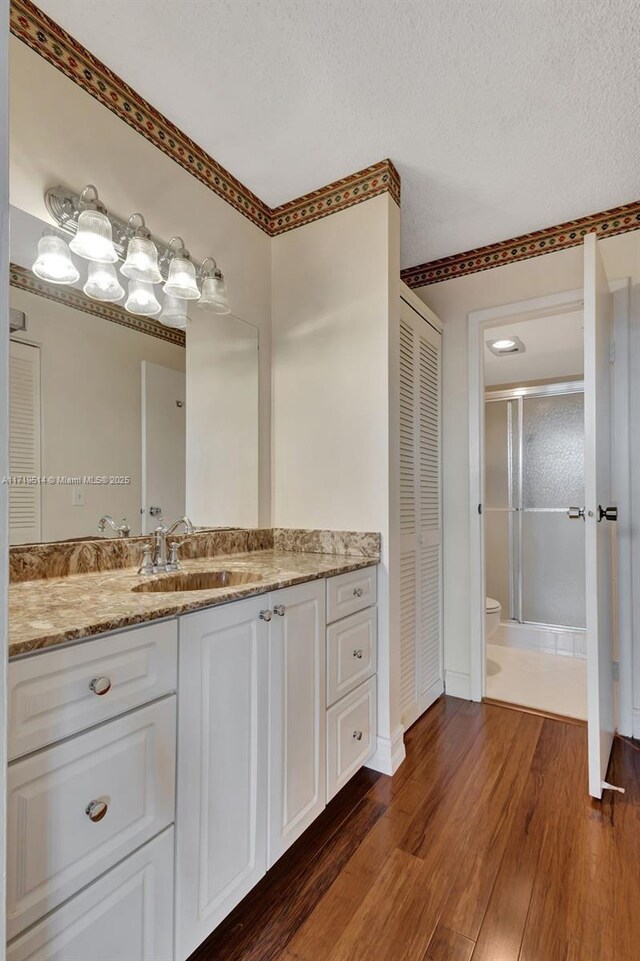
point(506, 345)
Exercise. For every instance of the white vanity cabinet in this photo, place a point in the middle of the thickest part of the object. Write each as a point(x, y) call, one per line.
point(251, 747)
point(91, 799)
point(296, 716)
point(221, 850)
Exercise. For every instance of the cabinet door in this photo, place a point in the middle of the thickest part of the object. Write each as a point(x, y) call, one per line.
point(297, 713)
point(222, 765)
point(127, 914)
point(421, 653)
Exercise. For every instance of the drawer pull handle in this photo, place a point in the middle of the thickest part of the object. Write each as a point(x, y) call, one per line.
point(280, 610)
point(358, 592)
point(357, 735)
point(358, 654)
point(100, 685)
point(265, 615)
point(96, 810)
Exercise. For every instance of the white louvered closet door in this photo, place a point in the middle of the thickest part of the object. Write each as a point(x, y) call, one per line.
point(420, 515)
point(24, 442)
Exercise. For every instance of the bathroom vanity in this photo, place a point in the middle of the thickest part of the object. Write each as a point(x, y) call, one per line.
point(158, 771)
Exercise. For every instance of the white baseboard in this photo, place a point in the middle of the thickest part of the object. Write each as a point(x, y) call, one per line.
point(457, 684)
point(636, 723)
point(389, 754)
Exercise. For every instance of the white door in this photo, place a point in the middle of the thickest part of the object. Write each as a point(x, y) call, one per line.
point(221, 823)
point(599, 533)
point(297, 713)
point(25, 510)
point(421, 670)
point(163, 445)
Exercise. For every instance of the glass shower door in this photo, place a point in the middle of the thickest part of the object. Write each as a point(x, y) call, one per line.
point(552, 547)
point(534, 456)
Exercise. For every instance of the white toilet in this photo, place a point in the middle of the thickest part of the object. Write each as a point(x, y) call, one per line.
point(492, 617)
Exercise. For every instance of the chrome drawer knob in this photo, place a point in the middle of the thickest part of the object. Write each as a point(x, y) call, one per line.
point(358, 654)
point(265, 615)
point(280, 610)
point(357, 735)
point(100, 685)
point(96, 810)
point(358, 592)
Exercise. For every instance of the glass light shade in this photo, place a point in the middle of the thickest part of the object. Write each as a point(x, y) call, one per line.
point(214, 296)
point(174, 312)
point(103, 284)
point(142, 299)
point(93, 239)
point(142, 261)
point(54, 261)
point(181, 281)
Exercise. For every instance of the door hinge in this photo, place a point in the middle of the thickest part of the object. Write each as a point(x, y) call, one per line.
point(612, 352)
point(615, 670)
point(479, 508)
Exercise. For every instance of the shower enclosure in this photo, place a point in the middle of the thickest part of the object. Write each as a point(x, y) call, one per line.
point(534, 470)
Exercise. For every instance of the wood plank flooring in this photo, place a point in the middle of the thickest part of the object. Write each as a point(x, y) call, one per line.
point(483, 847)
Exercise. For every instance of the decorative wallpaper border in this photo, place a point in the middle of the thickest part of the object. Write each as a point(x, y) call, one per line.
point(367, 183)
point(608, 223)
point(24, 279)
point(43, 35)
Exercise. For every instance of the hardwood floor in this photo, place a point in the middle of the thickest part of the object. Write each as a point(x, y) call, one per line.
point(483, 847)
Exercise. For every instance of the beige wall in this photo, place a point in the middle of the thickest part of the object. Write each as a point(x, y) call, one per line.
point(452, 301)
point(334, 323)
point(90, 409)
point(61, 135)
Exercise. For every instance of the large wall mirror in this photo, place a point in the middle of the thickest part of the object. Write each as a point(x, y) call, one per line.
point(118, 420)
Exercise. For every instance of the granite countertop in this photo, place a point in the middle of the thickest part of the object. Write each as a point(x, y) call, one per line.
point(50, 611)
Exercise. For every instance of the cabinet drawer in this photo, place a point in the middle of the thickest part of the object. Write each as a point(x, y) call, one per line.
point(351, 733)
point(55, 846)
point(51, 697)
point(351, 653)
point(349, 593)
point(126, 915)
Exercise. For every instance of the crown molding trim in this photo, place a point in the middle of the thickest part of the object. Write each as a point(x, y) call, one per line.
point(43, 35)
point(607, 223)
point(24, 279)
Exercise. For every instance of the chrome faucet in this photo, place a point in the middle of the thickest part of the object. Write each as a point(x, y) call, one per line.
point(121, 530)
point(188, 526)
point(158, 558)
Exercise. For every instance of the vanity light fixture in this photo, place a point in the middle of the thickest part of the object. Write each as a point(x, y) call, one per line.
point(142, 255)
point(54, 262)
point(174, 312)
point(103, 239)
point(214, 290)
point(103, 284)
point(181, 281)
point(506, 345)
point(142, 299)
point(93, 239)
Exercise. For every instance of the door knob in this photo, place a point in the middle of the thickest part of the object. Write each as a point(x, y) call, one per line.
point(265, 615)
point(280, 610)
point(575, 513)
point(607, 513)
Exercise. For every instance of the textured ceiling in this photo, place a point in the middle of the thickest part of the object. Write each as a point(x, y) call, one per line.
point(502, 116)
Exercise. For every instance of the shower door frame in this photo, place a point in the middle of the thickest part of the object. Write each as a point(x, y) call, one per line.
point(517, 511)
point(471, 685)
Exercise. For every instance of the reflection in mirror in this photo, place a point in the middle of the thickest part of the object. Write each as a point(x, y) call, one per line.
point(100, 404)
